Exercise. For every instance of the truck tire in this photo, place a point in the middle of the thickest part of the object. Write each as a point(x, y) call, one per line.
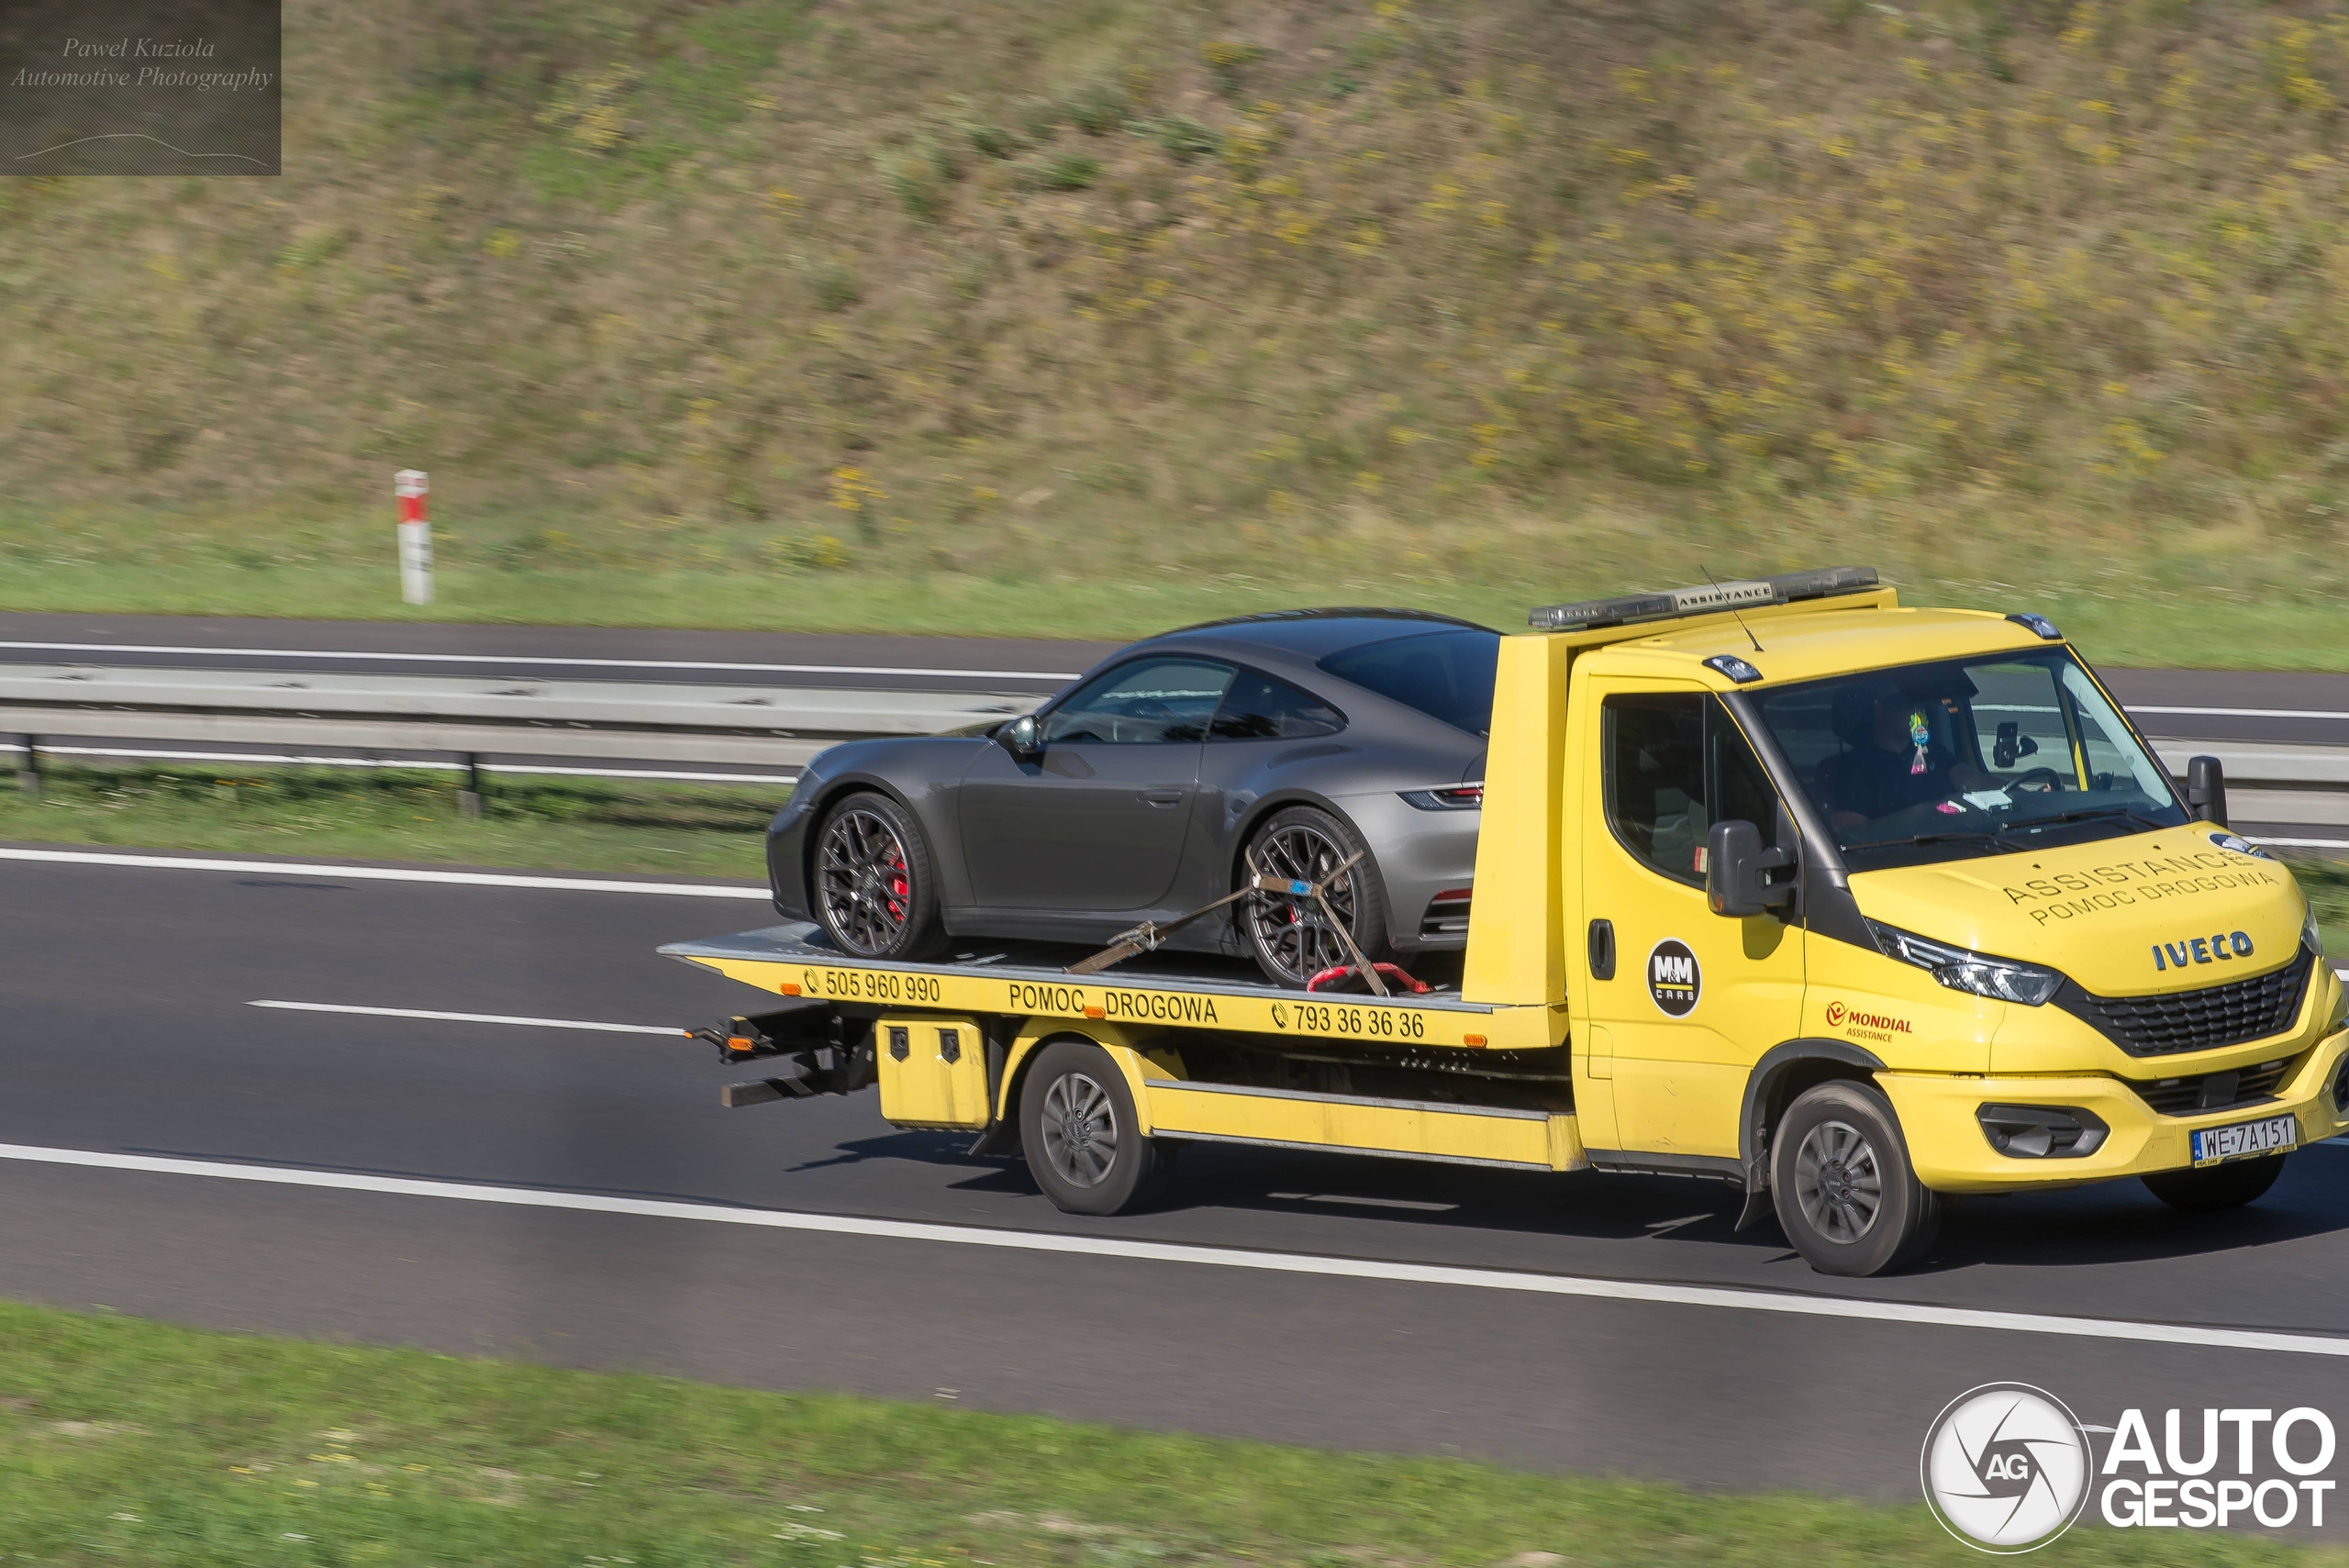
point(1079, 1133)
point(2231, 1186)
point(873, 887)
point(1839, 1177)
point(1290, 937)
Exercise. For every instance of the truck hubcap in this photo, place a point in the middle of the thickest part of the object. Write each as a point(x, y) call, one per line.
point(1080, 1130)
point(1837, 1183)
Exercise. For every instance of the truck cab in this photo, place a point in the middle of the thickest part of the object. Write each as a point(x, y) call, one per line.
point(1859, 906)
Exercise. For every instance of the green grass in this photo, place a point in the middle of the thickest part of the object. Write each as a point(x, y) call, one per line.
point(973, 315)
point(123, 1441)
point(700, 830)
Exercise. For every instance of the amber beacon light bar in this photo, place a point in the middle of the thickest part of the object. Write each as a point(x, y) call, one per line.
point(1673, 604)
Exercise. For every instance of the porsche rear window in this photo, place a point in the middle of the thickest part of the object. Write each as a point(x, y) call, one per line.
point(1445, 674)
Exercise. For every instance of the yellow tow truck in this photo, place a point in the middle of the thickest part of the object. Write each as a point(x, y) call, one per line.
point(1779, 883)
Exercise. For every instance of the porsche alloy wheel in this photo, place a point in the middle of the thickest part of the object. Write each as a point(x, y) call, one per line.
point(1294, 938)
point(872, 888)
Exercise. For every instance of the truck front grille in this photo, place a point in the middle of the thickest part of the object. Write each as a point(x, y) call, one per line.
point(2196, 1021)
point(2212, 1090)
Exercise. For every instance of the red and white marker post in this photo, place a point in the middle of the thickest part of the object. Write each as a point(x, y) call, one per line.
point(415, 537)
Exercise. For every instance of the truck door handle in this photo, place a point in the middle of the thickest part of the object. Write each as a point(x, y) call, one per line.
point(1602, 949)
point(1163, 796)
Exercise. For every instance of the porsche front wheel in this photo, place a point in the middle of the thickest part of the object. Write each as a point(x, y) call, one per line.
point(875, 889)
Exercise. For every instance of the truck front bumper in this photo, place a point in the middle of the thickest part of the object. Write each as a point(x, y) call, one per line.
point(1939, 1117)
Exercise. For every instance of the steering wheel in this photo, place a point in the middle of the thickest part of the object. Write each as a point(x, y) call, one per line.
point(2039, 780)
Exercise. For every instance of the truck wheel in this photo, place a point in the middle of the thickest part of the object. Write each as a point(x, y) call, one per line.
point(2231, 1186)
point(1291, 936)
point(873, 887)
point(1079, 1133)
point(1839, 1177)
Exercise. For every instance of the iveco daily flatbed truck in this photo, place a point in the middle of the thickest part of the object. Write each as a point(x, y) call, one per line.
point(1851, 905)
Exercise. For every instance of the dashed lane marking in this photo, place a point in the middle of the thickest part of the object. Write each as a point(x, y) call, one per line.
point(472, 1018)
point(1917, 1315)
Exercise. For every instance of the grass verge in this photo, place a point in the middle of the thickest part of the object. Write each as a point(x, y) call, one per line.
point(673, 829)
point(128, 1440)
point(2157, 613)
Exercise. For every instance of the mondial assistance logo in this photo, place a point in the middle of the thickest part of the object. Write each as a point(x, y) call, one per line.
point(2006, 1467)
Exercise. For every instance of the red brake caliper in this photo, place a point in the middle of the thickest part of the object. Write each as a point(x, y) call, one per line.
point(898, 886)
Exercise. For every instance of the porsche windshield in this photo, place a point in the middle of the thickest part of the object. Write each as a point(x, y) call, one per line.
point(1967, 756)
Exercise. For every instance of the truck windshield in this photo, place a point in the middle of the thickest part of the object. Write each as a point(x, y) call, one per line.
point(1986, 756)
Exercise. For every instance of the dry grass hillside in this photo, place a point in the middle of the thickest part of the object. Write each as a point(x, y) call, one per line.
point(1083, 316)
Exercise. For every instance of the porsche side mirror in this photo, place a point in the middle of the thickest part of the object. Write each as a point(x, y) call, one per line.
point(2206, 789)
point(1019, 738)
point(1737, 872)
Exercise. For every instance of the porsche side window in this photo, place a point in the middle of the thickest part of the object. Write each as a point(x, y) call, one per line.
point(1258, 707)
point(1675, 764)
point(1151, 702)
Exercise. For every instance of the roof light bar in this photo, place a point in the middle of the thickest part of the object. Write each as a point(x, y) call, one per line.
point(1674, 604)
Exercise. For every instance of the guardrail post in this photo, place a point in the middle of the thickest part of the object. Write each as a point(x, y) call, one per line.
point(28, 771)
point(469, 797)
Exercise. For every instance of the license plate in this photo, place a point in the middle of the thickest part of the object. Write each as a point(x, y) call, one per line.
point(2267, 1135)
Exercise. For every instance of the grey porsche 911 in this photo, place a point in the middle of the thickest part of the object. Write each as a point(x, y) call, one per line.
point(1291, 742)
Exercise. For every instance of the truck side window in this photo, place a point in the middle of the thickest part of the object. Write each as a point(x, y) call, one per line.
point(1675, 763)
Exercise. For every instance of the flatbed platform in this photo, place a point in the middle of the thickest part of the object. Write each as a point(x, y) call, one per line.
point(1158, 990)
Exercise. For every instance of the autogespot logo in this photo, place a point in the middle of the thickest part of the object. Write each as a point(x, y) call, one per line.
point(2006, 1467)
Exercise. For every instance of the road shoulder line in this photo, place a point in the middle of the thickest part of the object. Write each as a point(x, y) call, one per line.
point(387, 873)
point(1724, 1297)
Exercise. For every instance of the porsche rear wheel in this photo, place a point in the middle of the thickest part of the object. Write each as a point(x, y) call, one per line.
point(1293, 938)
point(875, 889)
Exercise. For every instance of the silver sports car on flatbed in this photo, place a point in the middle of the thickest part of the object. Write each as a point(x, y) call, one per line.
point(1295, 740)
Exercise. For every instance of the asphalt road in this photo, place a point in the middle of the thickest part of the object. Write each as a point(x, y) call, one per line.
point(126, 1029)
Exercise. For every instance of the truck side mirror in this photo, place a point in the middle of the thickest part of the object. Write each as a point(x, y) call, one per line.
point(1019, 739)
point(1737, 872)
point(2206, 789)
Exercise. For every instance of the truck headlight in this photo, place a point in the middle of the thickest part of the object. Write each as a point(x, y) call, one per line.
point(2001, 978)
point(2311, 938)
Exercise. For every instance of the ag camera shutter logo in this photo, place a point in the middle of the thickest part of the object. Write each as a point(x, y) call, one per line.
point(2006, 1467)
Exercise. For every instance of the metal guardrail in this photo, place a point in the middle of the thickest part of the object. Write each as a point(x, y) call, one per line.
point(465, 717)
point(782, 727)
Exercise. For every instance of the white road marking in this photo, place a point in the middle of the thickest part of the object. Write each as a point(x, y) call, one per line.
point(396, 763)
point(2237, 712)
point(1724, 1297)
point(2303, 843)
point(473, 1017)
point(532, 658)
point(386, 873)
